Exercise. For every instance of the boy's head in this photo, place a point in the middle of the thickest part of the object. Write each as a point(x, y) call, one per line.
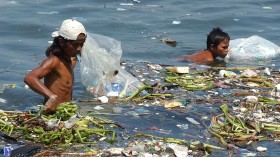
point(218, 42)
point(69, 38)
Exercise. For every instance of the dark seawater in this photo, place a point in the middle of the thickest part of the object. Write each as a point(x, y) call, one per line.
point(26, 28)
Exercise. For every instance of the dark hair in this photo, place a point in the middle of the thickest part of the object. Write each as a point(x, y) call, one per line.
point(55, 48)
point(216, 36)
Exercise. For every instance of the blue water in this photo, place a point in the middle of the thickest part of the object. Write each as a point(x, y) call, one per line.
point(26, 27)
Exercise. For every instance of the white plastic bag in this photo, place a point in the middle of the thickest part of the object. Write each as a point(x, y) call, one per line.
point(254, 48)
point(101, 72)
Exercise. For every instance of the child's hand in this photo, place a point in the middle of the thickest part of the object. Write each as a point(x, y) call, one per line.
point(51, 105)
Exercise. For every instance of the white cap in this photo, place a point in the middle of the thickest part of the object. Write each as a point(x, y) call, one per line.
point(70, 29)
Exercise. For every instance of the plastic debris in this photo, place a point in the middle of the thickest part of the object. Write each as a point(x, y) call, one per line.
point(103, 99)
point(172, 104)
point(220, 84)
point(251, 99)
point(261, 149)
point(267, 8)
point(176, 22)
point(115, 151)
point(53, 123)
point(225, 73)
point(128, 4)
point(101, 72)
point(254, 48)
point(249, 73)
point(70, 122)
point(155, 66)
point(102, 138)
point(136, 1)
point(121, 9)
point(2, 89)
point(250, 154)
point(183, 126)
point(276, 91)
point(117, 110)
point(3, 100)
point(179, 151)
point(192, 121)
point(169, 41)
point(142, 111)
point(98, 108)
point(180, 70)
point(7, 150)
point(267, 71)
point(252, 84)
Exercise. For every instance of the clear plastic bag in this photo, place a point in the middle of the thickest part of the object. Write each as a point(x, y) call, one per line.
point(101, 72)
point(254, 48)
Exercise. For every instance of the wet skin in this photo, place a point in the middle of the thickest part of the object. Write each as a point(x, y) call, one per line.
point(221, 50)
point(209, 55)
point(57, 73)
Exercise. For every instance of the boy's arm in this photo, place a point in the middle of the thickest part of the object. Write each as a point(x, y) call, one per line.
point(32, 79)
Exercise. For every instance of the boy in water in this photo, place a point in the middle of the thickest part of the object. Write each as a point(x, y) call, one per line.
point(57, 69)
point(217, 46)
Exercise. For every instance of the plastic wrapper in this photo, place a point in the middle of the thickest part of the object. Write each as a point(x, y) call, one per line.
point(254, 48)
point(101, 72)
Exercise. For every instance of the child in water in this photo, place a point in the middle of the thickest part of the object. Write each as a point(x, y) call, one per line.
point(57, 68)
point(217, 46)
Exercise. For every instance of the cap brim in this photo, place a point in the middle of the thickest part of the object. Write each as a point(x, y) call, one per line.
point(55, 34)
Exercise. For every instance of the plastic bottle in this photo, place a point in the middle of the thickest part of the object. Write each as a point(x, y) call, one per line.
point(9, 147)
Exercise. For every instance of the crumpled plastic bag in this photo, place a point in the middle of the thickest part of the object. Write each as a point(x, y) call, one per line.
point(101, 72)
point(254, 48)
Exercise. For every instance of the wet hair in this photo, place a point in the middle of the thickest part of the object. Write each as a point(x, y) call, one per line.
point(55, 48)
point(215, 37)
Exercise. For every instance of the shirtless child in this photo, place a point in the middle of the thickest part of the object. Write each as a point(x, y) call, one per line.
point(217, 46)
point(57, 68)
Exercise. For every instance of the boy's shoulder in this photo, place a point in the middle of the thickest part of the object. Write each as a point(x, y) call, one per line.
point(200, 56)
point(52, 61)
point(54, 58)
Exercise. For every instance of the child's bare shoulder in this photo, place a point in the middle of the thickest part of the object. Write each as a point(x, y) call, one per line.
point(51, 61)
point(201, 56)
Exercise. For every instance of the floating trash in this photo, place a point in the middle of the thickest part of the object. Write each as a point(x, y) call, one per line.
point(225, 73)
point(192, 121)
point(267, 71)
point(121, 9)
point(103, 99)
point(3, 100)
point(251, 99)
point(171, 104)
point(183, 126)
point(127, 4)
point(180, 70)
point(245, 129)
point(98, 108)
point(62, 128)
point(276, 91)
point(267, 8)
point(249, 73)
point(169, 41)
point(261, 149)
point(155, 66)
point(176, 22)
point(48, 13)
point(179, 151)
